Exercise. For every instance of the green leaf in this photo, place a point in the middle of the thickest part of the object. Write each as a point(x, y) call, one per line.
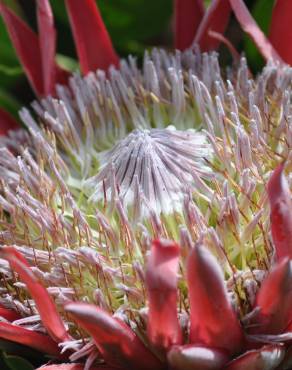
point(10, 69)
point(9, 103)
point(7, 54)
point(11, 349)
point(17, 363)
point(262, 12)
point(13, 4)
point(132, 22)
point(67, 63)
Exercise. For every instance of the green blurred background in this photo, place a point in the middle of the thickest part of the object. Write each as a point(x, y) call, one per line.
point(134, 25)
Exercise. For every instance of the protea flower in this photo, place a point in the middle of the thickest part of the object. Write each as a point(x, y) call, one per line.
point(146, 220)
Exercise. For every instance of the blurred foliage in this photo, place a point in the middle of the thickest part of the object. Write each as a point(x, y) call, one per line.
point(18, 357)
point(261, 11)
point(14, 363)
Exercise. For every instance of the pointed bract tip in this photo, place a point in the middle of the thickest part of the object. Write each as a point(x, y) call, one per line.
point(167, 245)
point(161, 283)
point(85, 311)
point(190, 357)
point(276, 183)
point(281, 213)
point(211, 313)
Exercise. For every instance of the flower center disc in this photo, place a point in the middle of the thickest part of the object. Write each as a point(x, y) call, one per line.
point(153, 167)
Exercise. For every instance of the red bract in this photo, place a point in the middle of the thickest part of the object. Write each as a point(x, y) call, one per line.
point(7, 122)
point(194, 25)
point(36, 53)
point(281, 30)
point(117, 343)
point(206, 32)
point(161, 279)
point(26, 44)
point(250, 27)
point(188, 15)
point(30, 338)
point(216, 19)
point(274, 300)
point(281, 213)
point(8, 314)
point(93, 44)
point(47, 42)
point(211, 314)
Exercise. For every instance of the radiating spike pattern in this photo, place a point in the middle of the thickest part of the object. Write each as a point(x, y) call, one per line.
point(174, 150)
point(152, 167)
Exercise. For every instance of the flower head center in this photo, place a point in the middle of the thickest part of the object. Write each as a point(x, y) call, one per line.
point(152, 166)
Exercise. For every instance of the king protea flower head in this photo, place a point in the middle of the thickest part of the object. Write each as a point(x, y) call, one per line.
point(115, 169)
point(145, 214)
